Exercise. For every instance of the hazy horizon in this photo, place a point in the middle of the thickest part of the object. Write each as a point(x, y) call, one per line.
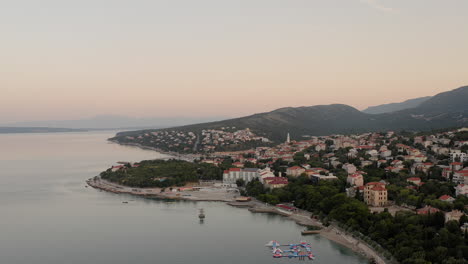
point(75, 60)
point(98, 117)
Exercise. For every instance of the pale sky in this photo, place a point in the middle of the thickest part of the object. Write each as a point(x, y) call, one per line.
point(62, 59)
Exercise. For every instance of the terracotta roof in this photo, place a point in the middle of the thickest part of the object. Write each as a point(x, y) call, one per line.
point(445, 197)
point(295, 168)
point(414, 179)
point(428, 209)
point(375, 183)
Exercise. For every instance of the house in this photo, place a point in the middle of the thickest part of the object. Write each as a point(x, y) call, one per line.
point(373, 153)
point(446, 172)
point(455, 166)
point(365, 163)
point(355, 179)
point(118, 167)
point(317, 177)
point(414, 180)
point(418, 140)
point(295, 171)
point(464, 228)
point(238, 164)
point(380, 162)
point(375, 194)
point(353, 153)
point(385, 153)
point(275, 182)
point(419, 158)
point(459, 176)
point(394, 169)
point(427, 210)
point(335, 163)
point(320, 147)
point(453, 215)
point(312, 171)
point(447, 198)
point(457, 155)
point(266, 173)
point(349, 168)
point(461, 189)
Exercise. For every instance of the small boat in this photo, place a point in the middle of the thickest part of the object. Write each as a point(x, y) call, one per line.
point(125, 202)
point(201, 215)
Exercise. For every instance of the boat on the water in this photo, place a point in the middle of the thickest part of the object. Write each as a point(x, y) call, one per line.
point(201, 215)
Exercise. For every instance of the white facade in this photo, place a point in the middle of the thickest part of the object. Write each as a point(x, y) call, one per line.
point(458, 155)
point(232, 175)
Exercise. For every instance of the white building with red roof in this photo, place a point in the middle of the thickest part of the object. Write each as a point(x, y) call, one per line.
point(461, 189)
point(295, 171)
point(414, 180)
point(461, 176)
point(427, 210)
point(456, 166)
point(355, 179)
point(447, 198)
point(275, 182)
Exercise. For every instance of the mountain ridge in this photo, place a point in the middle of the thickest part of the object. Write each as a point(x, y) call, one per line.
point(440, 111)
point(393, 107)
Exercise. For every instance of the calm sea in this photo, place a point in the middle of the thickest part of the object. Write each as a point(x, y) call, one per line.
point(48, 216)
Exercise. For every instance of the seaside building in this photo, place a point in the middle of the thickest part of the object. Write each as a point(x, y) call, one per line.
point(375, 194)
point(247, 174)
point(275, 182)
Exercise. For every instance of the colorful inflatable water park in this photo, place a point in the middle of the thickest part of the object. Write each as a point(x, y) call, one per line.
point(301, 251)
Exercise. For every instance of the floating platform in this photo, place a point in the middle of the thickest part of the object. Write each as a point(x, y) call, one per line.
point(302, 250)
point(310, 232)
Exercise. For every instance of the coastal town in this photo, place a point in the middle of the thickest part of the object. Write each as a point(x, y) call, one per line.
point(424, 174)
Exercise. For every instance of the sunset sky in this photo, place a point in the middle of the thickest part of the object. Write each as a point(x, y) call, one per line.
point(67, 59)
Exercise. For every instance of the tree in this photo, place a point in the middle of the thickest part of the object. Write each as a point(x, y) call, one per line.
point(240, 183)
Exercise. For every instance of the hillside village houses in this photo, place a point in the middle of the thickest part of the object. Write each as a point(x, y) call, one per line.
point(295, 171)
point(355, 179)
point(417, 160)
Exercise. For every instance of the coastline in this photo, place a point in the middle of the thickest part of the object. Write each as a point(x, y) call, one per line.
point(301, 217)
point(175, 155)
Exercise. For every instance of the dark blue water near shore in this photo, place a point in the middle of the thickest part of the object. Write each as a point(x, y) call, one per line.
point(48, 216)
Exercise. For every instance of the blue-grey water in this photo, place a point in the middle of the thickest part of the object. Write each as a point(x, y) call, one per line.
point(48, 216)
